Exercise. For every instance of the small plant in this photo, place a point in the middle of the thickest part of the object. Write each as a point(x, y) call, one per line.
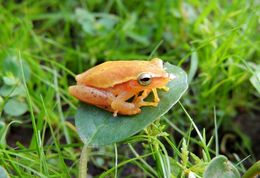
point(12, 90)
point(12, 93)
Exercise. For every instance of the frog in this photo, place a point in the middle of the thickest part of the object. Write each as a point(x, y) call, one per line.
point(121, 87)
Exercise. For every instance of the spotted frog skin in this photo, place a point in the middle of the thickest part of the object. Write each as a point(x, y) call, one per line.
point(111, 84)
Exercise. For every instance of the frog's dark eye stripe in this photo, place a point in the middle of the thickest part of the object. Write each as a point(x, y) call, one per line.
point(144, 79)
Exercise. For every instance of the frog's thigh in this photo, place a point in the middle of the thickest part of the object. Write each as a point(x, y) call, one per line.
point(91, 95)
point(119, 105)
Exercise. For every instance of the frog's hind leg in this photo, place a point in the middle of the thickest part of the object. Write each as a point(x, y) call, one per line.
point(92, 95)
point(119, 105)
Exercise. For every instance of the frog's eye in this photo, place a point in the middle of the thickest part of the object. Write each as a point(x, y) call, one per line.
point(144, 79)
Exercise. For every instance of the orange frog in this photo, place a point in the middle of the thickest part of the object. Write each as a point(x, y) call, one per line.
point(111, 84)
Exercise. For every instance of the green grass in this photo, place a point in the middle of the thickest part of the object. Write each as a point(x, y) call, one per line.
point(216, 42)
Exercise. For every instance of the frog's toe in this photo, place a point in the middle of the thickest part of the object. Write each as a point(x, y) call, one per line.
point(115, 113)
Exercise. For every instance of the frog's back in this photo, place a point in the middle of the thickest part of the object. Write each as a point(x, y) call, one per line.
point(112, 73)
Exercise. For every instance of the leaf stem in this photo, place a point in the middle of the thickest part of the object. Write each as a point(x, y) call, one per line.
point(83, 162)
point(116, 160)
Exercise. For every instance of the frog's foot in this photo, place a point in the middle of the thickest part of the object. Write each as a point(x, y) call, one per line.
point(119, 105)
point(124, 108)
point(165, 88)
point(145, 103)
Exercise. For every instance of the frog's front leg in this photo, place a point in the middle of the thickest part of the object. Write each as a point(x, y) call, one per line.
point(119, 105)
point(139, 101)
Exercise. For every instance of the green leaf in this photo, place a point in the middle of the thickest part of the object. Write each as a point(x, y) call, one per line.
point(2, 130)
point(1, 102)
point(11, 91)
point(86, 20)
point(253, 171)
point(193, 66)
point(139, 38)
point(255, 80)
point(107, 21)
point(221, 167)
point(15, 107)
point(3, 173)
point(10, 80)
point(11, 65)
point(98, 127)
point(2, 125)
